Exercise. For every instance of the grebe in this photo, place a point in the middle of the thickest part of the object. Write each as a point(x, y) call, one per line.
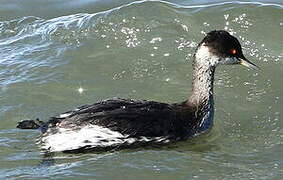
point(120, 123)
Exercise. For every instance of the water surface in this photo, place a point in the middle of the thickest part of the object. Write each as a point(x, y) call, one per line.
point(140, 50)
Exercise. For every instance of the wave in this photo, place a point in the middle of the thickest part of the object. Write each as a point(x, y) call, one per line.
point(33, 43)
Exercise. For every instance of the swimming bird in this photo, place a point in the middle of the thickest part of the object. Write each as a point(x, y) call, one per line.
point(122, 123)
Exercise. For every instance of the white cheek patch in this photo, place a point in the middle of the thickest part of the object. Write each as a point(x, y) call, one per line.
point(205, 57)
point(229, 60)
point(203, 51)
point(89, 136)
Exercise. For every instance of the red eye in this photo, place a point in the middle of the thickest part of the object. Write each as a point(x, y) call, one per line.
point(233, 51)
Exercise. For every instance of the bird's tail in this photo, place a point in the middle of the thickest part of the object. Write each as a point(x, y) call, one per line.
point(29, 124)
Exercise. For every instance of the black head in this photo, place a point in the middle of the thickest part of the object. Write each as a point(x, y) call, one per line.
point(225, 46)
point(222, 44)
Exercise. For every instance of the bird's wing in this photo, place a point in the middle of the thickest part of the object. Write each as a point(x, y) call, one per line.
point(126, 116)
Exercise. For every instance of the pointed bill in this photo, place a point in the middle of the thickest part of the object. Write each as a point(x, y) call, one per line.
point(247, 63)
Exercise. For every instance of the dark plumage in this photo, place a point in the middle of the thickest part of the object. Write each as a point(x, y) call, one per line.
point(134, 118)
point(125, 122)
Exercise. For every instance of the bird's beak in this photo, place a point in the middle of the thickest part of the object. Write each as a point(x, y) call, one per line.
point(243, 61)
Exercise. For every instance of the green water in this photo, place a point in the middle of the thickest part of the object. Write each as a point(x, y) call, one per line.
point(143, 50)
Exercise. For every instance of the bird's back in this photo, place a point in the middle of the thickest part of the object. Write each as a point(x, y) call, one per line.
point(118, 122)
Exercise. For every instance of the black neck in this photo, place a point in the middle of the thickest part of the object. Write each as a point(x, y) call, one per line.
point(201, 99)
point(202, 84)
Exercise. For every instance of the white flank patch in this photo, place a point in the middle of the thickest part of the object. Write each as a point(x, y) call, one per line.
point(92, 135)
point(70, 139)
point(64, 115)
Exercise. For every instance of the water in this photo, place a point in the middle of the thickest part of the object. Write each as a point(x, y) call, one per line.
point(140, 50)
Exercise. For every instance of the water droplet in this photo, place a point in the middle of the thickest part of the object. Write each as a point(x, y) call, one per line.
point(226, 16)
point(80, 90)
point(156, 39)
point(205, 24)
point(185, 27)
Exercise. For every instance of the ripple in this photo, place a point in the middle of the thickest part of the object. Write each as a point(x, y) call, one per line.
point(144, 49)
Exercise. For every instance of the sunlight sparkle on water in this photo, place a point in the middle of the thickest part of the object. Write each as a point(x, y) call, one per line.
point(80, 90)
